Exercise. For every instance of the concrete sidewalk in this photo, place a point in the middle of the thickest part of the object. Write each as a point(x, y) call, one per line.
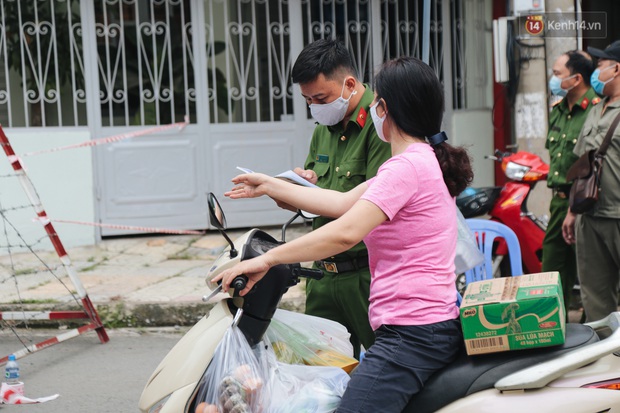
point(156, 280)
point(139, 281)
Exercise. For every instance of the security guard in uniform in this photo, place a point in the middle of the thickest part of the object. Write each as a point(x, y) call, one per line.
point(345, 151)
point(570, 80)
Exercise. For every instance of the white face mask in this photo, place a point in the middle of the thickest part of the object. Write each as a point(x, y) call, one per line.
point(378, 121)
point(331, 113)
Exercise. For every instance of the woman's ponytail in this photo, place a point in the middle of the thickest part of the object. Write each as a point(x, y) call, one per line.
point(455, 166)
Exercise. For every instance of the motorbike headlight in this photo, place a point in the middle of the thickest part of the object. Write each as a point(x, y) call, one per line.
point(159, 405)
point(515, 171)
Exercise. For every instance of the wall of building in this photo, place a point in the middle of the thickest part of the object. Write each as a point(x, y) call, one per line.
point(473, 130)
point(533, 100)
point(63, 181)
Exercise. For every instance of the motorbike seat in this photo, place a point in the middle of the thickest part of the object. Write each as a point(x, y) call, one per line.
point(471, 374)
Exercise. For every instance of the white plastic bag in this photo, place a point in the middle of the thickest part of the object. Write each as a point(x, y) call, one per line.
point(304, 339)
point(234, 381)
point(306, 389)
point(241, 379)
point(468, 255)
point(319, 330)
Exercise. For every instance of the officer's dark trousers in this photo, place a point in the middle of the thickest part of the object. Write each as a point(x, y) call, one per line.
point(598, 256)
point(557, 254)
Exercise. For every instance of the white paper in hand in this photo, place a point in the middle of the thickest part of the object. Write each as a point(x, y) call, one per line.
point(293, 178)
point(245, 170)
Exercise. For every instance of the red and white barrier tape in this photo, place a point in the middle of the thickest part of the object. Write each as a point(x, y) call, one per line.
point(114, 138)
point(49, 342)
point(42, 315)
point(16, 163)
point(43, 220)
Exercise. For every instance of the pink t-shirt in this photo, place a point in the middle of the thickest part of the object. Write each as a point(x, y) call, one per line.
point(411, 255)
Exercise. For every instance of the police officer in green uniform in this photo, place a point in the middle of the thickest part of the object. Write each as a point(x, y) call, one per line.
point(344, 152)
point(571, 80)
point(596, 233)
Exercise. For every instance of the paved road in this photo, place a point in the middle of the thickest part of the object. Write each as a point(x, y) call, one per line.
point(91, 377)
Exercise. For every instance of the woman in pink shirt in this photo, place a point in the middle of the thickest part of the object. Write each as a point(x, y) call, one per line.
point(406, 215)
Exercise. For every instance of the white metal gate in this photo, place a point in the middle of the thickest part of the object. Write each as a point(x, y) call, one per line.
point(129, 65)
point(142, 62)
point(159, 61)
point(227, 65)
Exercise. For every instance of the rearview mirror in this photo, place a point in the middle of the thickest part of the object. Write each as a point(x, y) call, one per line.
point(216, 214)
point(218, 220)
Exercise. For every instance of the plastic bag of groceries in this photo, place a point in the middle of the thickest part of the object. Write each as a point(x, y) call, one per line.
point(235, 379)
point(299, 338)
point(306, 389)
point(468, 255)
point(245, 380)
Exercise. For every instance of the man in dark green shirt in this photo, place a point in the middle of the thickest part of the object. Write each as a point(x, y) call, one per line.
point(571, 80)
point(344, 152)
point(597, 231)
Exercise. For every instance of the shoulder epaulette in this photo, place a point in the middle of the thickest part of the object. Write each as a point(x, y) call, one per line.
point(361, 117)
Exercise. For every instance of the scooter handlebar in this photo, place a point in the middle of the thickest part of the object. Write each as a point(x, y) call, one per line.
point(239, 282)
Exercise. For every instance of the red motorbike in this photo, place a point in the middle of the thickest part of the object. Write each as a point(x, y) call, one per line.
point(508, 205)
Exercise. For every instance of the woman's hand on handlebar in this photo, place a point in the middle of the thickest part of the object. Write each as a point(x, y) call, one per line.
point(255, 269)
point(248, 186)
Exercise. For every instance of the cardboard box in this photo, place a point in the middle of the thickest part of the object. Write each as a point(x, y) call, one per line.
point(513, 313)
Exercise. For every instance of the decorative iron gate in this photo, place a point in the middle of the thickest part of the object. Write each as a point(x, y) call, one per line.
point(119, 66)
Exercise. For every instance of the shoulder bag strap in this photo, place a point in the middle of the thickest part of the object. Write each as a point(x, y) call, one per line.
point(607, 140)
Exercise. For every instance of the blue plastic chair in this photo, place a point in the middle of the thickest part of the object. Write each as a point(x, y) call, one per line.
point(486, 231)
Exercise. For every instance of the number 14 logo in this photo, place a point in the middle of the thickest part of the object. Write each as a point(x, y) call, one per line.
point(534, 25)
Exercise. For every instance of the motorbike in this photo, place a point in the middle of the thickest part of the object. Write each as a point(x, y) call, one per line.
point(578, 376)
point(508, 204)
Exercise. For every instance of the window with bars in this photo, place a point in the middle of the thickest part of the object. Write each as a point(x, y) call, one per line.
point(248, 71)
point(148, 69)
point(42, 80)
point(145, 62)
